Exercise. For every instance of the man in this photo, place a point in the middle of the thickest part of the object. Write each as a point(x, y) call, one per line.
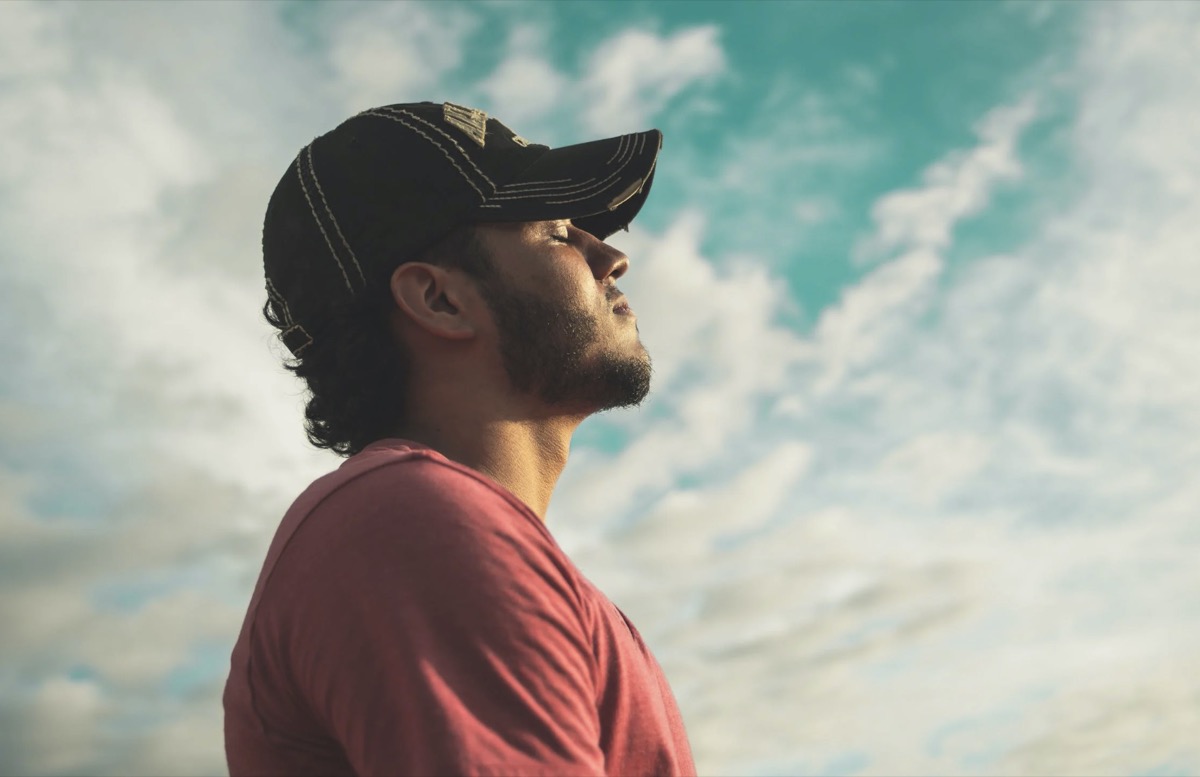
point(446, 290)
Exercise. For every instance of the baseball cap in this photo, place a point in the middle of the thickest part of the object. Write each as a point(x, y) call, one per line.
point(391, 181)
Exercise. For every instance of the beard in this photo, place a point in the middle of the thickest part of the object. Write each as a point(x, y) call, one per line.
point(549, 350)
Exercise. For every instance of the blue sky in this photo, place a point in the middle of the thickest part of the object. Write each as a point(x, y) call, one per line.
point(912, 494)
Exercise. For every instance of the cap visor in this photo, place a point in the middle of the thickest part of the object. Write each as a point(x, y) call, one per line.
point(601, 185)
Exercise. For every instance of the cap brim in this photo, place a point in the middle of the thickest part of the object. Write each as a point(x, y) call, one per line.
point(601, 185)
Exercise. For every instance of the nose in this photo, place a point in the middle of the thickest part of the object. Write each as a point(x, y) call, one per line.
point(605, 261)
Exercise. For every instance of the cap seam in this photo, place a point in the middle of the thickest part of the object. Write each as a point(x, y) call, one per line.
point(316, 218)
point(439, 146)
point(448, 137)
point(332, 218)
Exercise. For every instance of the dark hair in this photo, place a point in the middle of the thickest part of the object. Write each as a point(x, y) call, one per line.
point(356, 370)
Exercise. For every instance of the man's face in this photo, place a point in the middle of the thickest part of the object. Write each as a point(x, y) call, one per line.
point(553, 300)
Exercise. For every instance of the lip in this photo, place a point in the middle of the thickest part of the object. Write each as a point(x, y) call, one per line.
point(622, 308)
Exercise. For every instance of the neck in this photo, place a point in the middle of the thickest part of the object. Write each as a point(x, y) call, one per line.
point(526, 456)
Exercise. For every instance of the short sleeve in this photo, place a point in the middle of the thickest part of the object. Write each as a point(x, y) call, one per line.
point(433, 630)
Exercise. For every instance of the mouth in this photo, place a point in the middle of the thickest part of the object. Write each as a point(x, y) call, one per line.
point(623, 309)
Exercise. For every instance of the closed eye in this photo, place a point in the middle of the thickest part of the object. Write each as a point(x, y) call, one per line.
point(565, 235)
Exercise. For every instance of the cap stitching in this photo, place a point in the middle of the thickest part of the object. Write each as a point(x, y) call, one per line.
point(622, 142)
point(581, 191)
point(617, 152)
point(448, 137)
point(577, 199)
point(304, 188)
point(274, 294)
point(434, 142)
point(574, 185)
point(532, 183)
point(630, 155)
point(332, 218)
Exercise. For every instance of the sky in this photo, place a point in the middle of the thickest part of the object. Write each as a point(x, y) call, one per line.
point(914, 489)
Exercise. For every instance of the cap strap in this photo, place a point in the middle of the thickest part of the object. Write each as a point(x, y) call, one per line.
point(296, 339)
point(294, 336)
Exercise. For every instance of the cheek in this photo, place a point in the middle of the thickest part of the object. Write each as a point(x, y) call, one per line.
point(573, 284)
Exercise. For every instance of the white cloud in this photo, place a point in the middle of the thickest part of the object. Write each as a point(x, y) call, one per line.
point(772, 183)
point(525, 86)
point(674, 531)
point(929, 466)
point(866, 320)
point(634, 75)
point(26, 27)
point(63, 725)
point(814, 210)
point(146, 370)
point(396, 52)
point(717, 349)
point(861, 78)
point(952, 189)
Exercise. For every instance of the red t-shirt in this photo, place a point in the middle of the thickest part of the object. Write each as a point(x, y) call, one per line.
point(414, 617)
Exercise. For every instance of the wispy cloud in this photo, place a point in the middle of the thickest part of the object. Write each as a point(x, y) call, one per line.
point(635, 74)
point(395, 52)
point(952, 189)
point(525, 86)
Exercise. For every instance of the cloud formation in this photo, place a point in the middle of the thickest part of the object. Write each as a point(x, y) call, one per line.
point(635, 74)
point(946, 530)
point(983, 565)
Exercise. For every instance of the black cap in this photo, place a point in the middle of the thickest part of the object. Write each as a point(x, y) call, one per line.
point(390, 182)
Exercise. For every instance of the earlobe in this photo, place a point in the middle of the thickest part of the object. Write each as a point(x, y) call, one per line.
point(428, 297)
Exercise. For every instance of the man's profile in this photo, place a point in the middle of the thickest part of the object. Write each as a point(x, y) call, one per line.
point(448, 295)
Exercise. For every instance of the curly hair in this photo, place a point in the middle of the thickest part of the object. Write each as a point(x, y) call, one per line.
point(357, 373)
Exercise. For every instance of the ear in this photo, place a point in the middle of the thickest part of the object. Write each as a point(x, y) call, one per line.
point(437, 300)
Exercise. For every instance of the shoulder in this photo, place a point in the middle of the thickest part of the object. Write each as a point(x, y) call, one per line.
point(407, 491)
point(392, 509)
point(402, 537)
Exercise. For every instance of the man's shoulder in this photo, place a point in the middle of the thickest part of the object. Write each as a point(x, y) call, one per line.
point(393, 513)
point(398, 487)
point(396, 468)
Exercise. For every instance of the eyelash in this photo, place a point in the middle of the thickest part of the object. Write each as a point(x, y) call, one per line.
point(561, 238)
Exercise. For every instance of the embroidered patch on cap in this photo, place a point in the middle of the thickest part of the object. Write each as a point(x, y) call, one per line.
point(470, 120)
